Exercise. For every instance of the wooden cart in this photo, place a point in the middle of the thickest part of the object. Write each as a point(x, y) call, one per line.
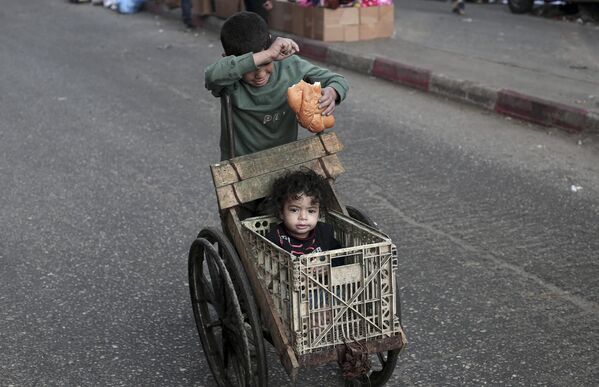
point(244, 289)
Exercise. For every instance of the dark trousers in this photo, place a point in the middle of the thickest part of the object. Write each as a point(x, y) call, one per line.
point(186, 12)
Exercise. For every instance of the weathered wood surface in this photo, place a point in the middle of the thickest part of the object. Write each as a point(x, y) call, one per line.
point(279, 332)
point(284, 156)
point(247, 178)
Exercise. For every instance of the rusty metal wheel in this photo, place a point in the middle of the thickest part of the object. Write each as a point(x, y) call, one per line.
point(361, 216)
point(225, 312)
point(383, 365)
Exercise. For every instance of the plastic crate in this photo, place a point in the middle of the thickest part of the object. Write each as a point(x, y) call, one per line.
point(324, 305)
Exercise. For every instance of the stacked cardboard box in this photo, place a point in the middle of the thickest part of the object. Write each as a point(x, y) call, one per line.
point(201, 7)
point(377, 22)
point(344, 24)
point(225, 8)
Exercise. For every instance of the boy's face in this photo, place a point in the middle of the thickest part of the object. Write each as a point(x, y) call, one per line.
point(300, 216)
point(259, 77)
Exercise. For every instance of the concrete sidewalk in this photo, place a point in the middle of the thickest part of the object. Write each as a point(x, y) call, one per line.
point(535, 69)
point(540, 70)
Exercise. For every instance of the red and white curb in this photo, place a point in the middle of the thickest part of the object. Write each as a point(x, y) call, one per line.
point(503, 101)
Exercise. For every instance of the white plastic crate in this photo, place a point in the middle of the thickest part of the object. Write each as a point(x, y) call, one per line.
point(323, 304)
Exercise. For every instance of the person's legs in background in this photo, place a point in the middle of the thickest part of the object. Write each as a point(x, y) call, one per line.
point(186, 13)
point(458, 6)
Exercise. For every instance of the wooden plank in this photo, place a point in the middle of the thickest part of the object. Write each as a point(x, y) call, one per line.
point(332, 166)
point(223, 174)
point(280, 158)
point(258, 187)
point(226, 197)
point(279, 332)
point(336, 204)
point(331, 143)
point(259, 163)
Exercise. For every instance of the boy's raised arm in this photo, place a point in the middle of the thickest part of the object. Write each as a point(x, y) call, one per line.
point(226, 71)
point(280, 49)
point(230, 69)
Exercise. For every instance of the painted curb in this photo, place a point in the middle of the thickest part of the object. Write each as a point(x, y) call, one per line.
point(502, 101)
point(593, 119)
point(402, 74)
point(360, 64)
point(313, 50)
point(464, 91)
point(540, 111)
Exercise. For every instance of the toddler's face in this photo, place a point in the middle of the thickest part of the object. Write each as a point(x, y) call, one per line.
point(300, 216)
point(259, 77)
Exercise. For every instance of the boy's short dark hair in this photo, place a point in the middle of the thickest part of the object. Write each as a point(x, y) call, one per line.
point(304, 181)
point(244, 32)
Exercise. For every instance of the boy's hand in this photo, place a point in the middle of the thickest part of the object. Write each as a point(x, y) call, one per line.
point(282, 48)
point(267, 5)
point(327, 101)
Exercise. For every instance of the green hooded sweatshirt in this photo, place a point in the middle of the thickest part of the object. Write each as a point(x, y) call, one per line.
point(261, 116)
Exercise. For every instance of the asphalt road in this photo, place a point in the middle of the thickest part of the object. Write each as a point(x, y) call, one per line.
point(106, 137)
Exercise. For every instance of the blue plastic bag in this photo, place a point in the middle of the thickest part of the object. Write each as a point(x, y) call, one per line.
point(130, 6)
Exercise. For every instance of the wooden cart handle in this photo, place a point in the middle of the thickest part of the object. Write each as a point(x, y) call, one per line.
point(225, 100)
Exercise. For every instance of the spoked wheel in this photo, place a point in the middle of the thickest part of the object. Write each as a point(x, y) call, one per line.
point(225, 312)
point(361, 216)
point(383, 363)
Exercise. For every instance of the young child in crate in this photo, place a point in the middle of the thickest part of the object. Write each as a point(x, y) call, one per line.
point(299, 197)
point(256, 72)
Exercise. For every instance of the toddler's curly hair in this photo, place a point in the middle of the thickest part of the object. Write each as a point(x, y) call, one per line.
point(292, 185)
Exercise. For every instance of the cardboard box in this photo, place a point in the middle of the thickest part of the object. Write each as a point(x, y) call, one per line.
point(225, 8)
point(344, 16)
point(344, 24)
point(330, 25)
point(201, 7)
point(387, 14)
point(280, 17)
point(369, 15)
point(369, 31)
point(337, 17)
point(328, 33)
point(351, 33)
point(337, 33)
point(377, 22)
point(301, 20)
